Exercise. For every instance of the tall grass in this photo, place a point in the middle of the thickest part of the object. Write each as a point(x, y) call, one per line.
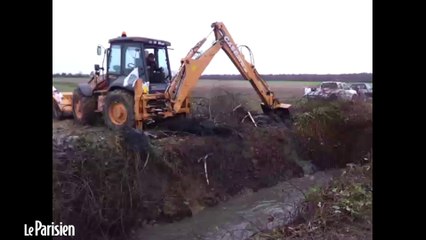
point(331, 134)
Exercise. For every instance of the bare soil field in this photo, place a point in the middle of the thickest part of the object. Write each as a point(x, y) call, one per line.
point(284, 90)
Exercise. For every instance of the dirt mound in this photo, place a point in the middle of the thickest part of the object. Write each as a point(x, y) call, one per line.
point(197, 126)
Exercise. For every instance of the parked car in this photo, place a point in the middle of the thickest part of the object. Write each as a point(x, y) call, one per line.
point(364, 90)
point(331, 91)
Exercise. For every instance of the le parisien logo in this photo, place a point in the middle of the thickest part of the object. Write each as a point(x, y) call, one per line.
point(40, 229)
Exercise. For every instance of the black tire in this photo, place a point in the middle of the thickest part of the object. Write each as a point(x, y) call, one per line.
point(125, 102)
point(83, 108)
point(57, 114)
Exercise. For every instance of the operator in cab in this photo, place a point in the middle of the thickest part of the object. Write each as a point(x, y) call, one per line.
point(151, 64)
point(150, 61)
point(155, 74)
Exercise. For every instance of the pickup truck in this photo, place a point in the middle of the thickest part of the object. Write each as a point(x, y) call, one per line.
point(364, 90)
point(331, 91)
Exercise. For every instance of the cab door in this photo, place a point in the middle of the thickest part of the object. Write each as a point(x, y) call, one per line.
point(114, 65)
point(160, 75)
point(132, 58)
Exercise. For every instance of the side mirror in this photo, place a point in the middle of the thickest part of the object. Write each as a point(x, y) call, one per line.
point(99, 50)
point(97, 68)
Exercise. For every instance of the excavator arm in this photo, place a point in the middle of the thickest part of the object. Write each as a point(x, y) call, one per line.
point(189, 73)
point(193, 66)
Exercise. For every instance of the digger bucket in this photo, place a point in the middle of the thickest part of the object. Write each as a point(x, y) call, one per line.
point(280, 113)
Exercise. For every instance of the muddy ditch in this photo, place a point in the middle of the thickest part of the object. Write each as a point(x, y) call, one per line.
point(244, 215)
point(107, 183)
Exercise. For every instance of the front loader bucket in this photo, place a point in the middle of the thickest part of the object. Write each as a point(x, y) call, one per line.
point(62, 104)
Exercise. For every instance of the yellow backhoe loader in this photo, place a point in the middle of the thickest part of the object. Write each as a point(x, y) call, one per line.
point(135, 90)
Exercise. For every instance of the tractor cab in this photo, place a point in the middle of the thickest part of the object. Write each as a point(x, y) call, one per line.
point(130, 58)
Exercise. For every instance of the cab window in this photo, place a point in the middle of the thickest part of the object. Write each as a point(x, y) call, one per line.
point(114, 61)
point(132, 55)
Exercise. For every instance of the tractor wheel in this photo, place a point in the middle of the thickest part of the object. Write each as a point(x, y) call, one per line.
point(57, 114)
point(119, 110)
point(83, 109)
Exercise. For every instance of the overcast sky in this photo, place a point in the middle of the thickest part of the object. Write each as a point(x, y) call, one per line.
point(285, 36)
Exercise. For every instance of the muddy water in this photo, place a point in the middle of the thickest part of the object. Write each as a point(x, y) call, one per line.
point(242, 216)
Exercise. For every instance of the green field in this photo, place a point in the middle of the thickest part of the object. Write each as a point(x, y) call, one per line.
point(281, 88)
point(67, 84)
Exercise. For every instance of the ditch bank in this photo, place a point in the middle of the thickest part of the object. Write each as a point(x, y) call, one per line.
point(103, 185)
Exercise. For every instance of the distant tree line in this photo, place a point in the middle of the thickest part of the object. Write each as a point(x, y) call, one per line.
point(71, 75)
point(354, 77)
